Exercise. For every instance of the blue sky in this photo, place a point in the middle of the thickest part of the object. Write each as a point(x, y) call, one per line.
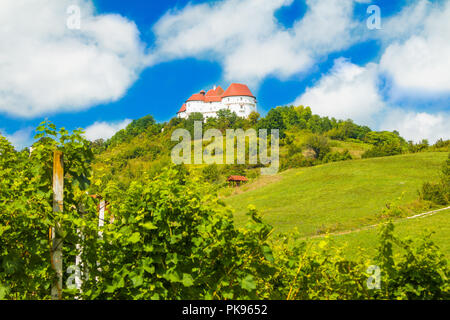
point(133, 58)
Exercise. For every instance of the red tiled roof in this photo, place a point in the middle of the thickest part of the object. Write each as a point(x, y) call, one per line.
point(219, 91)
point(197, 97)
point(237, 89)
point(237, 178)
point(213, 99)
point(216, 95)
point(183, 108)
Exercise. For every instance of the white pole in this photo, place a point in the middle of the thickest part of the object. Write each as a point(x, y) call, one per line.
point(101, 223)
point(78, 264)
point(101, 217)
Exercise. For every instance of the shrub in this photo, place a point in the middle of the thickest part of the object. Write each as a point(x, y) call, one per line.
point(298, 160)
point(441, 145)
point(317, 270)
point(433, 192)
point(211, 173)
point(418, 147)
point(320, 270)
point(171, 240)
point(319, 144)
point(420, 272)
point(438, 193)
point(337, 156)
point(26, 212)
point(383, 150)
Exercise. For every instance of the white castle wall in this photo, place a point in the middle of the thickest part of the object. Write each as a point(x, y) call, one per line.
point(241, 105)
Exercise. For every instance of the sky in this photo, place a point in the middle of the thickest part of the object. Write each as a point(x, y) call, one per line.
point(99, 64)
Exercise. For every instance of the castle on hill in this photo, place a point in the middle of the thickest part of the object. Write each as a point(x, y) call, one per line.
point(237, 98)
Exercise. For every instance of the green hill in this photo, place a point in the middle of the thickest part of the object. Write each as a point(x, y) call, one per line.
point(316, 197)
point(438, 223)
point(336, 196)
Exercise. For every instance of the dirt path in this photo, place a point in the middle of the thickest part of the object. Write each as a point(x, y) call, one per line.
point(429, 213)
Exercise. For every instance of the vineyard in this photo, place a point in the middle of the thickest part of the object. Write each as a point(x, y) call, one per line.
point(169, 236)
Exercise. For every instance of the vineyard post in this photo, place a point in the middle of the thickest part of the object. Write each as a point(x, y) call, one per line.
point(78, 261)
point(101, 217)
point(101, 223)
point(57, 241)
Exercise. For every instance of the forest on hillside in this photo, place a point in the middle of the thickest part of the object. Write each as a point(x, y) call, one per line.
point(306, 140)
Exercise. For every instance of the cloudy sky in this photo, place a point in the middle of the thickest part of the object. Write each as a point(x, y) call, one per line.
point(97, 64)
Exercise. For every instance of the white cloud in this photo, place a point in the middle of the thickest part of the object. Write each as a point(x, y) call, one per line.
point(420, 65)
point(105, 130)
point(45, 67)
point(20, 139)
point(245, 37)
point(326, 27)
point(416, 47)
point(347, 91)
point(418, 125)
point(408, 21)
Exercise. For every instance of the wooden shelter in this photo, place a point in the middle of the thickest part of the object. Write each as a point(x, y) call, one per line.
point(236, 180)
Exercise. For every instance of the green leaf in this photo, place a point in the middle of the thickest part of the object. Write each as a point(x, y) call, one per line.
point(267, 252)
point(138, 280)
point(187, 280)
point(149, 226)
point(172, 277)
point(155, 296)
point(3, 292)
point(135, 238)
point(248, 283)
point(110, 289)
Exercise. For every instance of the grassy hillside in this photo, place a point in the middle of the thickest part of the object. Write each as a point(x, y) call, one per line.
point(439, 223)
point(355, 148)
point(335, 196)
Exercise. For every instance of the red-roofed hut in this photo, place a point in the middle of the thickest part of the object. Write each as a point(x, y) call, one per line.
point(236, 180)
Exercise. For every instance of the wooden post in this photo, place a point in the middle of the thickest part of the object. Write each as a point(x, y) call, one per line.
point(57, 241)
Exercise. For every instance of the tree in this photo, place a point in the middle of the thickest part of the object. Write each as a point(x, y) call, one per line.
point(418, 147)
point(290, 116)
point(319, 144)
point(211, 173)
point(226, 119)
point(193, 117)
point(253, 118)
point(380, 138)
point(304, 112)
point(274, 120)
point(98, 146)
point(140, 125)
point(314, 124)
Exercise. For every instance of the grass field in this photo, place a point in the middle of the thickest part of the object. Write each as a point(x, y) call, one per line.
point(336, 196)
point(439, 223)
